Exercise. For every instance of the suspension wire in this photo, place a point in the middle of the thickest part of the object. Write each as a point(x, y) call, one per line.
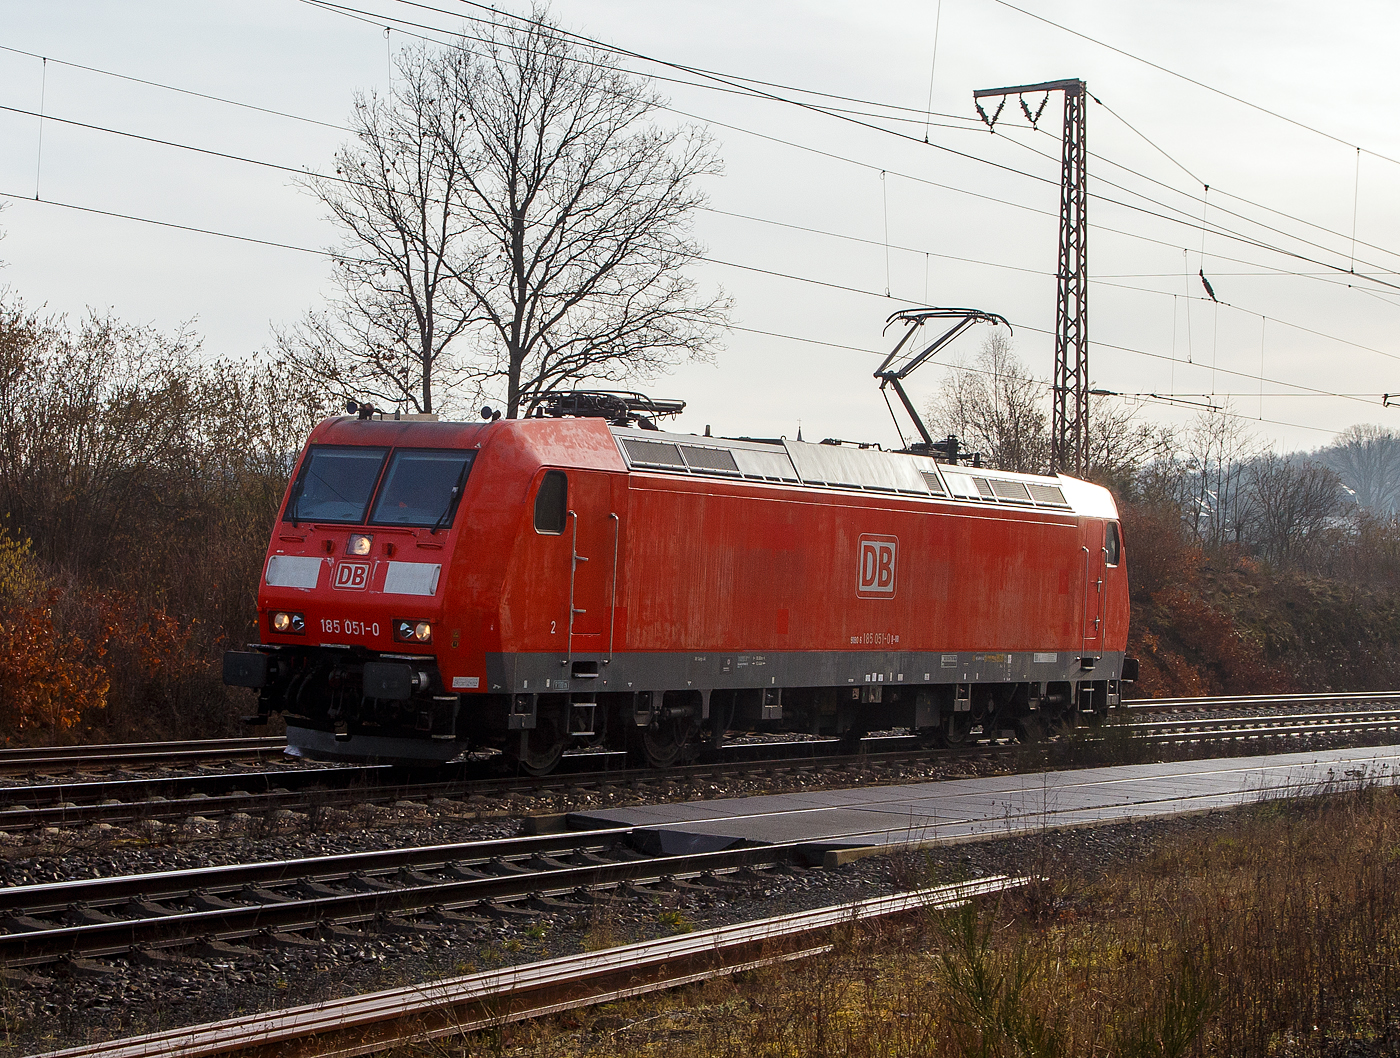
point(1143, 136)
point(932, 66)
point(1216, 227)
point(1186, 274)
point(1263, 326)
point(740, 84)
point(1171, 378)
point(43, 93)
point(1355, 197)
point(1191, 80)
point(1214, 346)
point(886, 222)
point(885, 202)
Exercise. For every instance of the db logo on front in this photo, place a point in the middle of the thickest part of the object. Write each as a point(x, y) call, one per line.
point(352, 575)
point(878, 556)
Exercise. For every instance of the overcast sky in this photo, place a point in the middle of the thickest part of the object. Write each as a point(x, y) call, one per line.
point(935, 228)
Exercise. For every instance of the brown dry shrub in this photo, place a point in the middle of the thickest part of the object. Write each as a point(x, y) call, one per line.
point(1159, 550)
point(50, 679)
point(1228, 660)
point(147, 478)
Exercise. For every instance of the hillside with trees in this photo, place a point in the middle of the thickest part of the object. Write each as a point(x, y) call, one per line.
point(1249, 570)
point(139, 479)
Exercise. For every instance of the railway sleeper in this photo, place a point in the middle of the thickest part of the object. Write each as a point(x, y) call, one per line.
point(499, 910)
point(213, 948)
point(398, 924)
point(88, 967)
point(549, 905)
point(203, 900)
point(13, 975)
point(280, 939)
point(444, 917)
point(83, 915)
point(137, 907)
point(144, 953)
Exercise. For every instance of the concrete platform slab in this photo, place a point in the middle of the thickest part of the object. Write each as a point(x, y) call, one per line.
point(840, 824)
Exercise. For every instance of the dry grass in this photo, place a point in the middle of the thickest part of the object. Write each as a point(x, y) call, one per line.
point(1280, 936)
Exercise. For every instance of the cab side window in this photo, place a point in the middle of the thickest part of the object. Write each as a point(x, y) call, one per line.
point(552, 503)
point(1111, 546)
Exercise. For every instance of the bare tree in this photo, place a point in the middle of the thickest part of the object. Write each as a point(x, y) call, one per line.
point(996, 407)
point(386, 335)
point(579, 212)
point(1122, 447)
point(1216, 447)
point(1289, 503)
point(1367, 459)
point(513, 199)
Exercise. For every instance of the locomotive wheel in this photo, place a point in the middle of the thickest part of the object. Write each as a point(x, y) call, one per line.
point(541, 749)
point(956, 728)
point(664, 742)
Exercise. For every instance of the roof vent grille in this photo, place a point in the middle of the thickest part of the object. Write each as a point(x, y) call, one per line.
point(1014, 491)
point(1048, 495)
point(934, 483)
point(714, 460)
point(654, 453)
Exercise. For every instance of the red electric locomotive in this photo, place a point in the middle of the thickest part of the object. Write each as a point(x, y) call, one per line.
point(564, 581)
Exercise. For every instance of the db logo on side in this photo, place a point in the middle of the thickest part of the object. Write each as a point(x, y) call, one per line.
point(878, 555)
point(352, 575)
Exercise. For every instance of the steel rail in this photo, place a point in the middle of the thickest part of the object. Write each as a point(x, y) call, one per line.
point(1377, 716)
point(93, 790)
point(44, 897)
point(98, 798)
point(456, 1006)
point(25, 758)
point(1244, 701)
point(105, 802)
point(120, 936)
point(1272, 728)
point(40, 757)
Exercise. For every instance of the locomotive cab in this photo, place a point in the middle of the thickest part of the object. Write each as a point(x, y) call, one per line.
point(351, 601)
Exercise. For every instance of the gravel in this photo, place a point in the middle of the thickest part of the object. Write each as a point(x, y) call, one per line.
point(70, 1004)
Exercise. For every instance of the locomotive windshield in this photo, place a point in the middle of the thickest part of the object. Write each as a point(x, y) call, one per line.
point(335, 484)
point(422, 488)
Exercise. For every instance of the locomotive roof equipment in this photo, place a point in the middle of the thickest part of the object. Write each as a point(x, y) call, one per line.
point(900, 364)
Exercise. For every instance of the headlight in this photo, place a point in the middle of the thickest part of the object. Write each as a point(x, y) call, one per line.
point(407, 630)
point(288, 624)
point(359, 543)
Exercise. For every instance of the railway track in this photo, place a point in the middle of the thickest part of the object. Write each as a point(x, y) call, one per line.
point(1255, 701)
point(201, 797)
point(421, 890)
point(1370, 721)
point(454, 1007)
point(19, 761)
point(89, 758)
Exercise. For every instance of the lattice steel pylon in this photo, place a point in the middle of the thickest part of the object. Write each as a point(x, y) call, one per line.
point(1069, 443)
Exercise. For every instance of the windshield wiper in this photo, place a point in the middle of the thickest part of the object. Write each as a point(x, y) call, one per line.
point(453, 499)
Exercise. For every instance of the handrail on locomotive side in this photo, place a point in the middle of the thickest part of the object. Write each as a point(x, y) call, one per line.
point(891, 375)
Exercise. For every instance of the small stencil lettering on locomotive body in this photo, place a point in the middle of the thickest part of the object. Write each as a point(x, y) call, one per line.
point(876, 574)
